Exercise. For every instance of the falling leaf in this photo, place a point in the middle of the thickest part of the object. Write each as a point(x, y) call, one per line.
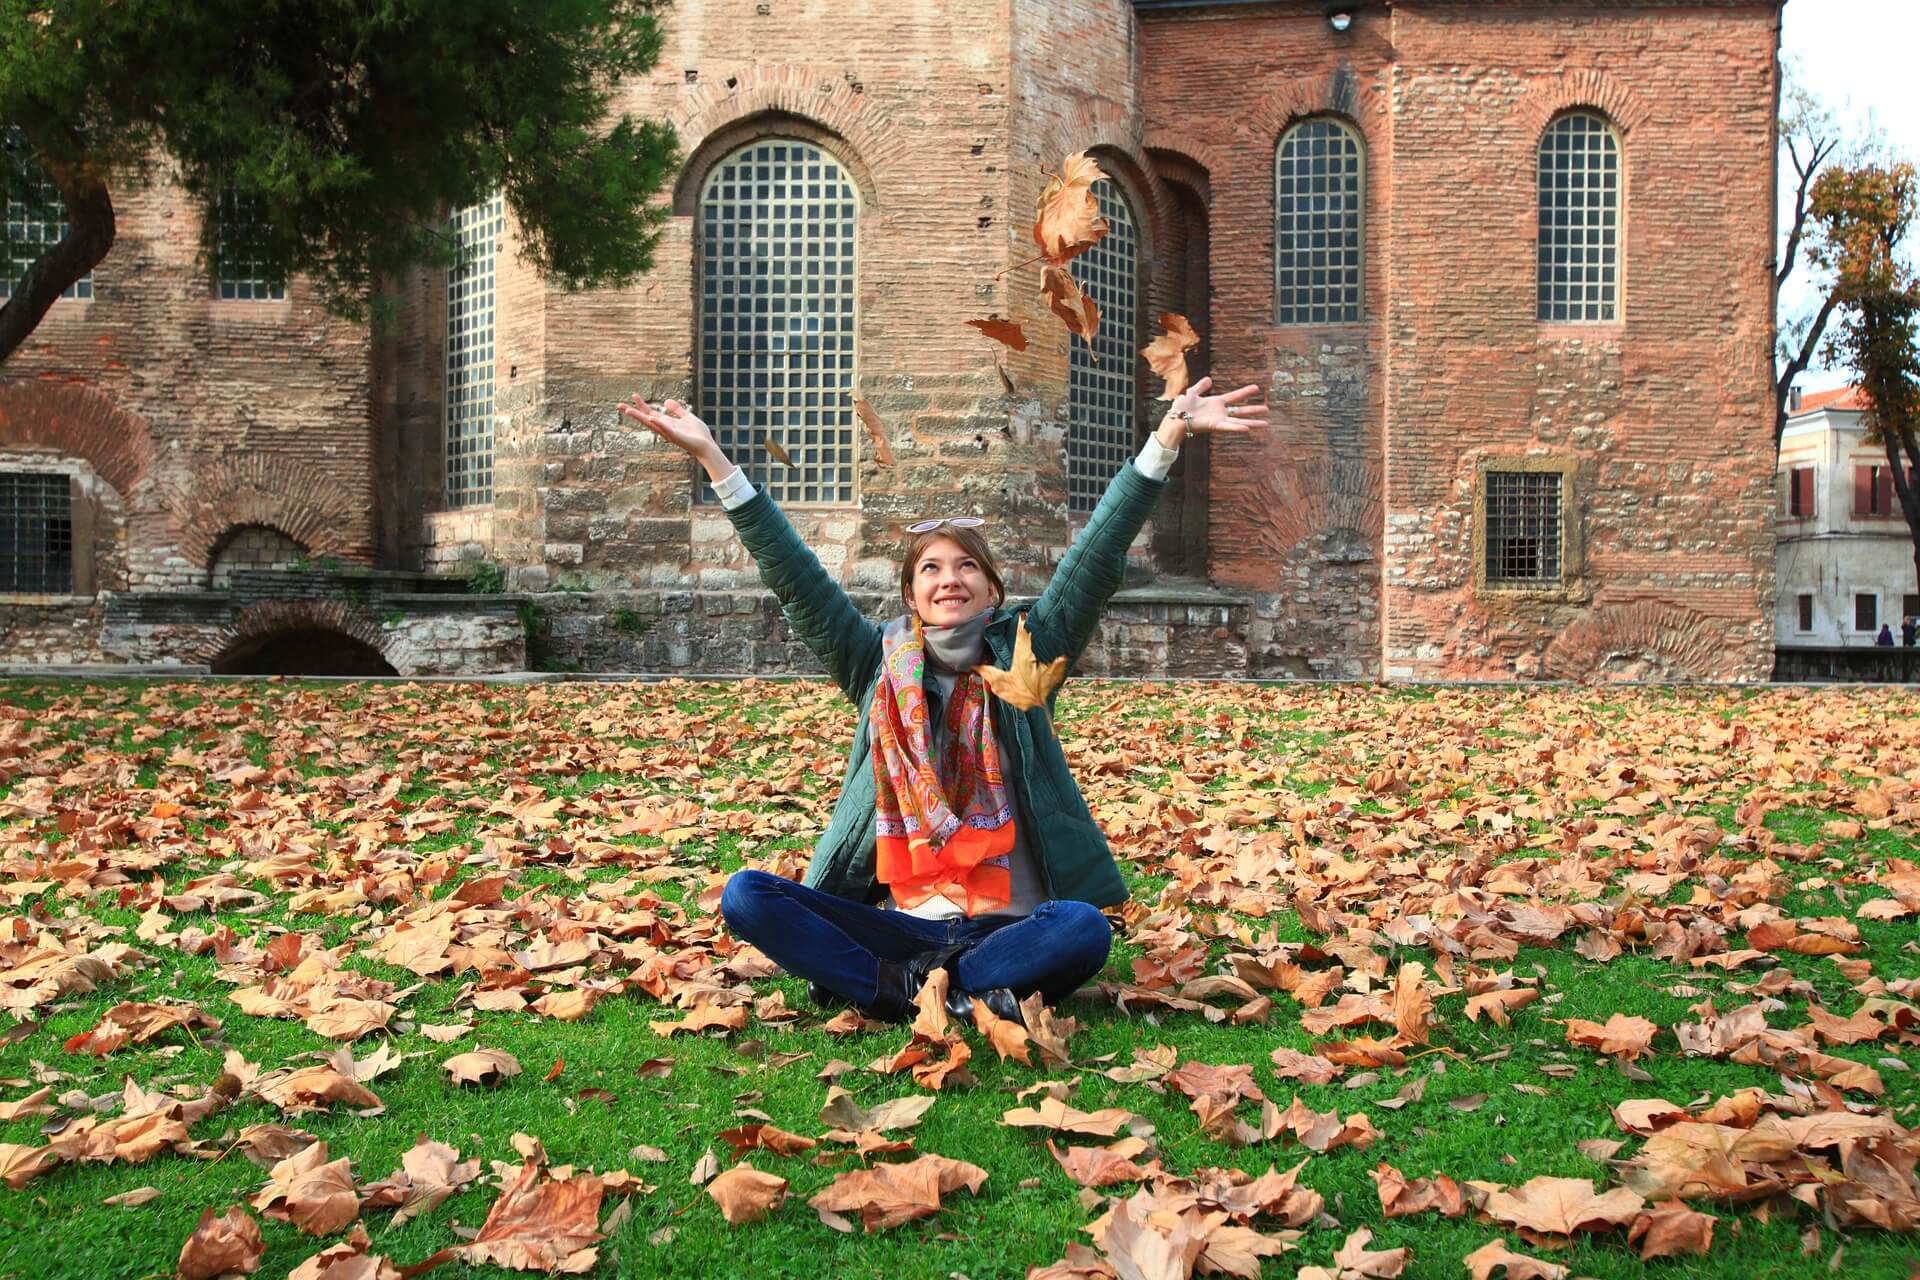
point(745, 1194)
point(1067, 221)
point(482, 1066)
point(1500, 1005)
point(1167, 354)
point(1005, 332)
point(876, 429)
point(1064, 298)
point(779, 451)
point(222, 1244)
point(1026, 683)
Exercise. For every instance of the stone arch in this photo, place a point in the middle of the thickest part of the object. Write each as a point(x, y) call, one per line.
point(1336, 93)
point(1584, 90)
point(261, 623)
point(1181, 157)
point(716, 116)
point(258, 488)
point(255, 540)
point(79, 421)
point(1309, 497)
point(1644, 640)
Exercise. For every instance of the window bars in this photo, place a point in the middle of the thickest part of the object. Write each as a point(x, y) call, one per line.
point(33, 218)
point(777, 318)
point(1579, 272)
point(1319, 194)
point(1523, 527)
point(36, 533)
point(470, 328)
point(1101, 393)
point(239, 226)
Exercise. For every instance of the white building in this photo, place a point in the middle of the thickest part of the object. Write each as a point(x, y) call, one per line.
point(1845, 558)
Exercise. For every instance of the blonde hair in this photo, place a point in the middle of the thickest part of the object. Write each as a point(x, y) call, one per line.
point(969, 539)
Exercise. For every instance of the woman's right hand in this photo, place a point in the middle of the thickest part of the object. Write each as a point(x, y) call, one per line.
point(680, 427)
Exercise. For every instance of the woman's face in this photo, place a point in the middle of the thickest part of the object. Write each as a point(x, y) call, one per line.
point(948, 585)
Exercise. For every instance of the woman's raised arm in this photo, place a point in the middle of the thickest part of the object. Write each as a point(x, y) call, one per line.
point(822, 615)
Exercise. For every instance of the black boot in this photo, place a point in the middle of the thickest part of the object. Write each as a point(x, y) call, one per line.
point(826, 997)
point(901, 980)
point(1000, 1002)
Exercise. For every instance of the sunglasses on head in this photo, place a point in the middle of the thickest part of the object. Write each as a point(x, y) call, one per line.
point(958, 522)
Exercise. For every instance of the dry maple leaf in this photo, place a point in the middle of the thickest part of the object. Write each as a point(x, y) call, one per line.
point(1412, 1003)
point(221, 1245)
point(1047, 1030)
point(348, 1260)
point(482, 1066)
point(1308, 1068)
point(21, 1164)
point(876, 429)
point(429, 1172)
point(1026, 683)
point(1139, 1250)
point(1671, 1230)
point(842, 1112)
point(1562, 1206)
point(313, 1089)
point(1225, 1085)
point(1493, 1255)
point(1008, 1038)
point(1100, 1166)
point(1623, 1036)
point(315, 1195)
point(1067, 219)
point(1167, 354)
point(132, 1023)
point(1065, 299)
point(1400, 1198)
point(1500, 1005)
point(745, 1194)
point(765, 1137)
point(1005, 332)
point(888, 1195)
point(539, 1223)
point(1061, 1118)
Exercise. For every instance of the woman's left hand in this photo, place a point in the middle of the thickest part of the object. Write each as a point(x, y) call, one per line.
point(1195, 410)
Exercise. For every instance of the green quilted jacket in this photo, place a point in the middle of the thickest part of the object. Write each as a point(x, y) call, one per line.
point(1075, 860)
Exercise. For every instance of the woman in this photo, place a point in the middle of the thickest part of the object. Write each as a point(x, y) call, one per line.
point(960, 840)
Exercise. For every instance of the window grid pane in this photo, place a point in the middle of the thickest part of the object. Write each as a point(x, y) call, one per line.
point(777, 318)
point(1579, 220)
point(1100, 395)
point(1523, 527)
point(1318, 197)
point(470, 354)
point(238, 224)
point(33, 220)
point(36, 532)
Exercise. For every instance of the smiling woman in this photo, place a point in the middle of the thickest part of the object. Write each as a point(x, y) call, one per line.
point(960, 841)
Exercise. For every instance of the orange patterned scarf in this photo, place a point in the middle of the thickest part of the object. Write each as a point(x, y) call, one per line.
point(946, 828)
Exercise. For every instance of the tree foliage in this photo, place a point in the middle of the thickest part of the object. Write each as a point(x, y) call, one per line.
point(353, 126)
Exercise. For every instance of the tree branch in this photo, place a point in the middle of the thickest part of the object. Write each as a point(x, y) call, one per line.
point(1783, 389)
point(90, 232)
point(1820, 151)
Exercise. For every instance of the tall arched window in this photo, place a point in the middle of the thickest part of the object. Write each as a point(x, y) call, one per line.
point(777, 225)
point(470, 331)
point(1579, 278)
point(1318, 198)
point(1100, 393)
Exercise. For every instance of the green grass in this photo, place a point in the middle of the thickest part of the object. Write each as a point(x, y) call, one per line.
point(464, 755)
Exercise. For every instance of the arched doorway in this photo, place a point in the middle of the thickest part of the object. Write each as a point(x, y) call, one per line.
point(302, 651)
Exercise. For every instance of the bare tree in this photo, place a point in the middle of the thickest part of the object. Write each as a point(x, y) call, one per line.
point(1809, 135)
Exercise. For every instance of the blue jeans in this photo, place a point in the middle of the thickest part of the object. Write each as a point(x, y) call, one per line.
point(839, 943)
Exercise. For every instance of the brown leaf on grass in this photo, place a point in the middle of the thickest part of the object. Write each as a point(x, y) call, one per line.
point(1355, 1258)
point(221, 1245)
point(1859, 1028)
point(1622, 1035)
point(1139, 1251)
point(1562, 1206)
point(1080, 1263)
point(1226, 1085)
point(1047, 1031)
point(1361, 1051)
point(1412, 1003)
point(1647, 1115)
point(1067, 218)
point(1008, 1038)
point(1400, 1198)
point(314, 1194)
point(935, 1073)
point(429, 1172)
point(348, 1260)
point(134, 1198)
point(930, 1007)
point(1147, 1064)
point(1167, 354)
point(20, 1164)
point(131, 1023)
point(314, 1089)
point(1064, 298)
point(1317, 1131)
point(842, 1112)
point(1500, 1005)
point(1026, 683)
point(567, 1006)
point(1493, 1255)
point(1671, 1230)
point(1005, 332)
point(33, 1104)
point(1099, 1166)
point(765, 1137)
point(350, 1019)
point(482, 1066)
point(539, 1223)
point(1060, 1118)
point(876, 429)
point(1308, 1068)
point(888, 1195)
point(745, 1194)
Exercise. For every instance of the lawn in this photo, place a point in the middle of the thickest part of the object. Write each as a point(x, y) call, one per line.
point(1657, 941)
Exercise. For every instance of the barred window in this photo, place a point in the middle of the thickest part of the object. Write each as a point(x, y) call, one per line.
point(33, 220)
point(1100, 393)
point(239, 228)
point(1579, 273)
point(470, 354)
point(1318, 200)
point(36, 532)
point(777, 319)
point(1523, 527)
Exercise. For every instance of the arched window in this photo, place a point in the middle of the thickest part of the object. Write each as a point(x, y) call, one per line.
point(777, 317)
point(34, 216)
point(1100, 393)
point(1319, 194)
point(1579, 275)
point(478, 229)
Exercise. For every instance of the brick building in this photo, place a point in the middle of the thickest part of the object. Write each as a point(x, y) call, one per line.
point(1504, 268)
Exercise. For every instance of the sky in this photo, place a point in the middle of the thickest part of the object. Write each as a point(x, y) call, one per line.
point(1859, 56)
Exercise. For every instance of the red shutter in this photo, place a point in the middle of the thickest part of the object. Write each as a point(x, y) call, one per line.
point(1802, 492)
point(1863, 491)
point(1883, 491)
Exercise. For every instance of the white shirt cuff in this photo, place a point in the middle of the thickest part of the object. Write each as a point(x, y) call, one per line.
point(1155, 459)
point(733, 489)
